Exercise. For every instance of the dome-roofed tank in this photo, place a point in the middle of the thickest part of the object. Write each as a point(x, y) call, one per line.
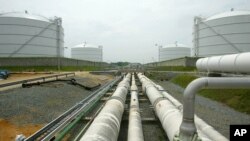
point(87, 52)
point(224, 33)
point(29, 35)
point(173, 51)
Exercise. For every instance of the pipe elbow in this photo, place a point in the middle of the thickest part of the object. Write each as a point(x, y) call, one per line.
point(195, 86)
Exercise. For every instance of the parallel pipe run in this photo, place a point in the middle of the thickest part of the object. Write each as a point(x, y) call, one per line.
point(205, 131)
point(167, 113)
point(71, 116)
point(135, 126)
point(187, 127)
point(106, 125)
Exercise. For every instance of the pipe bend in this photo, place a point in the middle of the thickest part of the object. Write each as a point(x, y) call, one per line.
point(188, 128)
point(195, 86)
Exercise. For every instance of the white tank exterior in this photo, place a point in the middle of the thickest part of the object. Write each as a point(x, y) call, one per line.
point(173, 51)
point(28, 35)
point(87, 52)
point(225, 33)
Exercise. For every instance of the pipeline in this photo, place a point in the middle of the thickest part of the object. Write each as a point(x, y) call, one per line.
point(135, 127)
point(189, 99)
point(169, 111)
point(205, 131)
point(233, 63)
point(106, 125)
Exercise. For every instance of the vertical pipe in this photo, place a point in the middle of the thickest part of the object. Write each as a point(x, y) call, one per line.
point(135, 127)
point(106, 125)
point(187, 128)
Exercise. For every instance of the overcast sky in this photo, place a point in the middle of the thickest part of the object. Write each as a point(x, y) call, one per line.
point(127, 29)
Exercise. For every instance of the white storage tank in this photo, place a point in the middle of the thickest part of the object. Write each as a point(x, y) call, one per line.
point(225, 33)
point(173, 51)
point(28, 35)
point(87, 52)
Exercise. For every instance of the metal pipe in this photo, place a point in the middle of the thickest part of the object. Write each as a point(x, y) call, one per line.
point(135, 127)
point(187, 128)
point(233, 63)
point(205, 131)
point(167, 113)
point(106, 125)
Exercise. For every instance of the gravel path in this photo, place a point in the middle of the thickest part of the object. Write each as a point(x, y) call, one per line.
point(214, 113)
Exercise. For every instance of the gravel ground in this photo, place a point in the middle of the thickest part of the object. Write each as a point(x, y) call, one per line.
point(43, 103)
point(39, 104)
point(214, 113)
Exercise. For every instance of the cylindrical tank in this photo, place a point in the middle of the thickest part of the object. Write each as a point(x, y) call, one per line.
point(221, 34)
point(173, 51)
point(87, 52)
point(28, 35)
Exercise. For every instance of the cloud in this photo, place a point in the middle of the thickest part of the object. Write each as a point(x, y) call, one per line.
point(127, 29)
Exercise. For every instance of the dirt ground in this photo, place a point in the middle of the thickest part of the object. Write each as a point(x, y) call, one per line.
point(23, 76)
point(10, 124)
point(8, 131)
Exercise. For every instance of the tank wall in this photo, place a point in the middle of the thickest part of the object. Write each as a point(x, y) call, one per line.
point(173, 53)
point(221, 36)
point(90, 54)
point(35, 38)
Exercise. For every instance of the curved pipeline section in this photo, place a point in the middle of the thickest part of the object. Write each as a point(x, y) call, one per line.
point(205, 131)
point(106, 125)
point(233, 63)
point(169, 111)
point(206, 82)
point(135, 127)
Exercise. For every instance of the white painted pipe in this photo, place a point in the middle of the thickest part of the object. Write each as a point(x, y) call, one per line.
point(187, 127)
point(233, 63)
point(205, 131)
point(135, 127)
point(106, 125)
point(167, 113)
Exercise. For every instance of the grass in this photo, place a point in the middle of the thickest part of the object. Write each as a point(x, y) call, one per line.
point(183, 79)
point(238, 99)
point(51, 68)
point(174, 68)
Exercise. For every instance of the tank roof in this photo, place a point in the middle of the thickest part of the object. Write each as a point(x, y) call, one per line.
point(228, 14)
point(84, 45)
point(25, 15)
point(175, 45)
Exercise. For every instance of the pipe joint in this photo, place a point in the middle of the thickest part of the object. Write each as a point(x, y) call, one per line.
point(117, 98)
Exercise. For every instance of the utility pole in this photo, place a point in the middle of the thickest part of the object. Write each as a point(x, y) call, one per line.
point(58, 22)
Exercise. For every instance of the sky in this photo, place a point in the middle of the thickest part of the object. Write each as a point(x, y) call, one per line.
point(128, 30)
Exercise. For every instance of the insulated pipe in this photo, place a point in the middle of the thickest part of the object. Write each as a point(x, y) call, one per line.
point(205, 131)
point(167, 113)
point(187, 128)
point(233, 63)
point(170, 112)
point(106, 125)
point(135, 127)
